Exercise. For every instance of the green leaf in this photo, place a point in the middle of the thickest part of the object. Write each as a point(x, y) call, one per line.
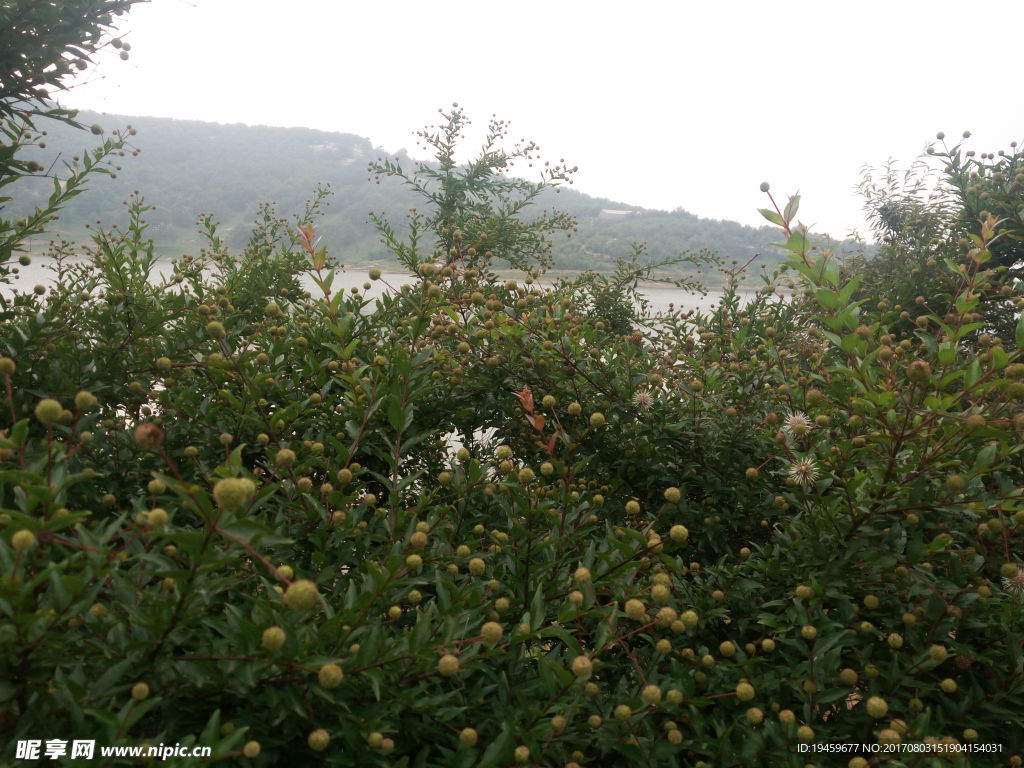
point(494, 752)
point(828, 299)
point(792, 206)
point(797, 243)
point(537, 608)
point(846, 293)
point(985, 456)
point(972, 374)
point(398, 417)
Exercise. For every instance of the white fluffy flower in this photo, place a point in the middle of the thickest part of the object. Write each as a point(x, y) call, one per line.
point(643, 400)
point(804, 471)
point(797, 424)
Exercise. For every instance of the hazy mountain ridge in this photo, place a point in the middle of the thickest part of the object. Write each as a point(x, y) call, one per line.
point(188, 167)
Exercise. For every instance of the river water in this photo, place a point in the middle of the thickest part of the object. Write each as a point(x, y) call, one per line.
point(662, 297)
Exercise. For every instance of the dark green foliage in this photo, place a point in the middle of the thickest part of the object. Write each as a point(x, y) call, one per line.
point(238, 515)
point(763, 496)
point(41, 45)
point(928, 217)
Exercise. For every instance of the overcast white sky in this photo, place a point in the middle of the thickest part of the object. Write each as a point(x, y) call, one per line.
point(660, 104)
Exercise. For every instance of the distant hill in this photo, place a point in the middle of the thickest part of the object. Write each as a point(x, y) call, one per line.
point(189, 167)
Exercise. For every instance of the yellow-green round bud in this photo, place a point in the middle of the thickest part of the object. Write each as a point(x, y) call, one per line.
point(49, 411)
point(85, 400)
point(804, 592)
point(889, 736)
point(301, 595)
point(491, 632)
point(582, 575)
point(23, 540)
point(651, 694)
point(974, 422)
point(876, 707)
point(318, 740)
point(581, 666)
point(414, 562)
point(330, 675)
point(140, 691)
point(231, 493)
point(286, 572)
point(919, 371)
point(448, 665)
point(660, 593)
point(634, 609)
point(273, 638)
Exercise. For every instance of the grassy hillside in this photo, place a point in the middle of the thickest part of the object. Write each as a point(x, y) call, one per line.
point(186, 168)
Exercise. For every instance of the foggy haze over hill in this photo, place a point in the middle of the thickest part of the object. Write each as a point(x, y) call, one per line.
point(187, 167)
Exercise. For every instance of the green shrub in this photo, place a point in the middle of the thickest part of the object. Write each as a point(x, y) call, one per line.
point(477, 522)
